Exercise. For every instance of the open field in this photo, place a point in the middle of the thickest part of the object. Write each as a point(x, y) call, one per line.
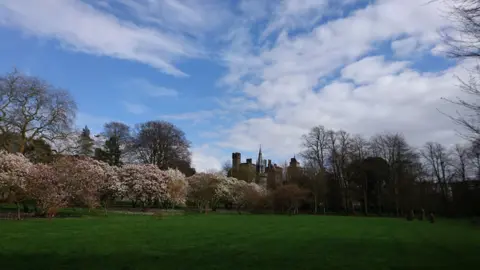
point(237, 242)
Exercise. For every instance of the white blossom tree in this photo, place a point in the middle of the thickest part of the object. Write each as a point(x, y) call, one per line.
point(14, 168)
point(110, 186)
point(144, 183)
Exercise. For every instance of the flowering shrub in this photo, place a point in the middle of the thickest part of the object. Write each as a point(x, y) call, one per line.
point(14, 169)
point(82, 177)
point(203, 189)
point(144, 183)
point(110, 186)
point(244, 194)
point(177, 187)
point(47, 188)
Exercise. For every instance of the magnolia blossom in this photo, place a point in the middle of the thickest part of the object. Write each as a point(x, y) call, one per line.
point(242, 193)
point(208, 189)
point(82, 177)
point(47, 188)
point(144, 183)
point(110, 185)
point(177, 187)
point(14, 168)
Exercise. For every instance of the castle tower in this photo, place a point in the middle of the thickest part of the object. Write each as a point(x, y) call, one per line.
point(260, 162)
point(236, 160)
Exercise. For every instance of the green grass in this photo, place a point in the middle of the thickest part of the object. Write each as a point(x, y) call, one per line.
point(237, 242)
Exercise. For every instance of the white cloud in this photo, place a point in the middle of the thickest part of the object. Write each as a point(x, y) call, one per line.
point(81, 27)
point(371, 68)
point(405, 47)
point(150, 88)
point(135, 108)
point(187, 16)
point(205, 158)
point(294, 79)
point(196, 116)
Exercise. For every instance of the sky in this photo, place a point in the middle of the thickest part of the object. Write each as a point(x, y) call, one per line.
point(238, 74)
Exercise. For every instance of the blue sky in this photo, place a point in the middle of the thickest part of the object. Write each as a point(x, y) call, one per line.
point(237, 74)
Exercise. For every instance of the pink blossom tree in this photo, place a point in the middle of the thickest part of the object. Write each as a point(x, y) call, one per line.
point(47, 188)
point(110, 186)
point(144, 183)
point(82, 177)
point(14, 168)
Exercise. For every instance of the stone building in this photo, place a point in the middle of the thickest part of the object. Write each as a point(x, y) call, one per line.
point(263, 172)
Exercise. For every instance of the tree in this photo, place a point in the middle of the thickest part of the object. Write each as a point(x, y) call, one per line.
point(177, 187)
point(14, 169)
point(439, 164)
point(47, 188)
point(207, 189)
point(33, 109)
point(227, 168)
point(110, 186)
point(339, 147)
point(463, 43)
point(287, 198)
point(110, 153)
point(394, 149)
point(118, 130)
point(82, 177)
point(85, 143)
point(369, 176)
point(315, 147)
point(145, 183)
point(36, 151)
point(162, 144)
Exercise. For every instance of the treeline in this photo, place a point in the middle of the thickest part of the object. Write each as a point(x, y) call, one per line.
point(385, 175)
point(37, 120)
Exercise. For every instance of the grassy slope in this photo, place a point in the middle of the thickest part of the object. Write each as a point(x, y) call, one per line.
point(237, 242)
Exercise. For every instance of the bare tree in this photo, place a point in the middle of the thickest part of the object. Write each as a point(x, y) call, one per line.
point(359, 148)
point(463, 42)
point(226, 167)
point(117, 129)
point(315, 145)
point(161, 143)
point(461, 162)
point(33, 109)
point(438, 161)
point(395, 150)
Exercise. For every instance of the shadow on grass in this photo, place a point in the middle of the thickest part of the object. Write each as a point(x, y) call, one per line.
point(338, 254)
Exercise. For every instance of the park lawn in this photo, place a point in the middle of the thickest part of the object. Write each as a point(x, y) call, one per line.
point(237, 242)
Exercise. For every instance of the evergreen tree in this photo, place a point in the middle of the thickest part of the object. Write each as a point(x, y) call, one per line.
point(85, 143)
point(110, 153)
point(112, 147)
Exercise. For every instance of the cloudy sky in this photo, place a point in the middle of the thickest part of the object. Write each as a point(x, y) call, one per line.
point(237, 74)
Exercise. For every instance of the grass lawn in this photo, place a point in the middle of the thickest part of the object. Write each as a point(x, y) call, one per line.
point(238, 242)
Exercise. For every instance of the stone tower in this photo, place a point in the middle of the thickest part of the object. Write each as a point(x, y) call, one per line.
point(236, 160)
point(261, 163)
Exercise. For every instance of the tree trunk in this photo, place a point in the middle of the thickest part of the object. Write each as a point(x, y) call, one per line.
point(316, 204)
point(365, 202)
point(18, 211)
